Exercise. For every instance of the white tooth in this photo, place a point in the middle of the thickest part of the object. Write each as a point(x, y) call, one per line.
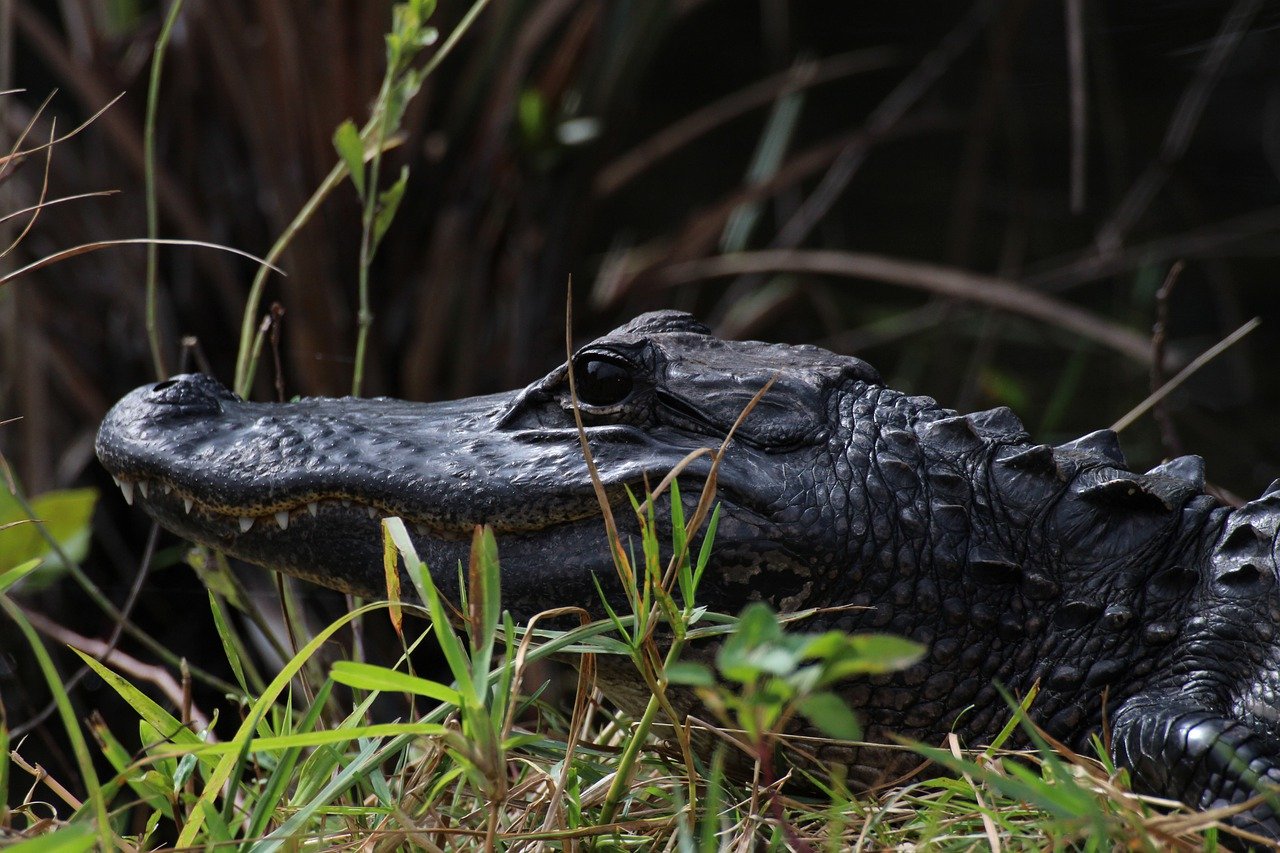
point(373, 513)
point(313, 508)
point(187, 504)
point(245, 523)
point(142, 487)
point(346, 502)
point(127, 488)
point(167, 488)
point(117, 481)
point(282, 519)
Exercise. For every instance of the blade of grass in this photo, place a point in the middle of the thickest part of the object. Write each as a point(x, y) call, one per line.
point(88, 774)
point(222, 773)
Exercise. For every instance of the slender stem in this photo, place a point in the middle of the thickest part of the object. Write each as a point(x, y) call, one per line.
point(622, 777)
point(364, 320)
point(244, 376)
point(149, 181)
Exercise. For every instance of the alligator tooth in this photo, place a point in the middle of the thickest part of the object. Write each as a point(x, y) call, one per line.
point(282, 519)
point(187, 504)
point(1271, 490)
point(346, 502)
point(420, 529)
point(142, 487)
point(245, 523)
point(313, 508)
point(117, 481)
point(1103, 442)
point(127, 488)
point(166, 488)
point(373, 513)
point(1189, 469)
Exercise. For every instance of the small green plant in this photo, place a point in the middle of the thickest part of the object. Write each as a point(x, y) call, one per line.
point(768, 675)
point(408, 36)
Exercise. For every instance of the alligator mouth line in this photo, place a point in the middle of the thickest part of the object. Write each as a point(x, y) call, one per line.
point(156, 494)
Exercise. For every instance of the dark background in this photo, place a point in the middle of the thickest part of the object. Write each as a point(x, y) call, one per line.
point(1181, 131)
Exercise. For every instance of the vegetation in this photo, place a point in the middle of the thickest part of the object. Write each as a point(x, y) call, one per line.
point(483, 763)
point(910, 197)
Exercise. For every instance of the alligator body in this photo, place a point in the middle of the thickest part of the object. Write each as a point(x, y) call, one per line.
point(1135, 601)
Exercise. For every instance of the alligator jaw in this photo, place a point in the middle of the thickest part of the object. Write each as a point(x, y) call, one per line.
point(302, 487)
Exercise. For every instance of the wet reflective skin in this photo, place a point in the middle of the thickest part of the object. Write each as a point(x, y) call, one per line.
point(1013, 562)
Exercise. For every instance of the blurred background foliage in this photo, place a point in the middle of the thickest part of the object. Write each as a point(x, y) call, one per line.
point(1070, 150)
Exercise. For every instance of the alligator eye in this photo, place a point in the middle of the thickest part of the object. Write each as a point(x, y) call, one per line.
point(602, 381)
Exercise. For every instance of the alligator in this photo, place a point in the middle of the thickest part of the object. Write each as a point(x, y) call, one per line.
point(1142, 608)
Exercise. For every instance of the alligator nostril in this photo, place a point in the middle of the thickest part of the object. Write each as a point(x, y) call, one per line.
point(189, 393)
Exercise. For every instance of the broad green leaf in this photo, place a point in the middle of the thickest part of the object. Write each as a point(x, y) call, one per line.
point(872, 654)
point(346, 139)
point(757, 625)
point(65, 516)
point(688, 672)
point(367, 676)
point(832, 715)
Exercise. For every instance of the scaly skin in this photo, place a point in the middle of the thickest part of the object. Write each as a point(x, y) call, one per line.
point(1134, 596)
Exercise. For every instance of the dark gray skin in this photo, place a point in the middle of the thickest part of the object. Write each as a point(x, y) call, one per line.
point(1131, 596)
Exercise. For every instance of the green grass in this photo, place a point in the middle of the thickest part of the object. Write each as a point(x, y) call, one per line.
point(486, 761)
point(490, 765)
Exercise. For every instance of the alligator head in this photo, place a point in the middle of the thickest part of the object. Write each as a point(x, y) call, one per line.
point(1133, 598)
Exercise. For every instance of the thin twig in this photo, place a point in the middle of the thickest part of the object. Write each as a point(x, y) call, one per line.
point(1198, 362)
point(944, 281)
point(106, 244)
